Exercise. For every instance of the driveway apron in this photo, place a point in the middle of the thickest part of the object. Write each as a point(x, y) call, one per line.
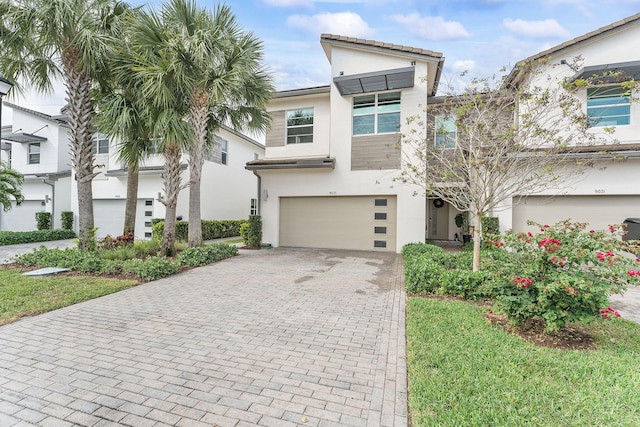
point(281, 337)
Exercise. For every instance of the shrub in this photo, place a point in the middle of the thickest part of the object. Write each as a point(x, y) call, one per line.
point(45, 257)
point(152, 268)
point(244, 233)
point(211, 229)
point(254, 231)
point(109, 242)
point(17, 237)
point(490, 225)
point(564, 274)
point(43, 220)
point(66, 217)
point(193, 257)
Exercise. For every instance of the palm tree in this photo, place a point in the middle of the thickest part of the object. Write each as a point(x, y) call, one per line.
point(221, 79)
point(41, 40)
point(10, 187)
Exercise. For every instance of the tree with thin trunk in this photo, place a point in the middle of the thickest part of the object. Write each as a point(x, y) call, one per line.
point(10, 187)
point(221, 79)
point(41, 40)
point(510, 142)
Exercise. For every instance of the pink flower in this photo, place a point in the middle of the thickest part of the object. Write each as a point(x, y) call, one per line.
point(592, 231)
point(633, 273)
point(530, 234)
point(612, 229)
point(522, 282)
point(545, 226)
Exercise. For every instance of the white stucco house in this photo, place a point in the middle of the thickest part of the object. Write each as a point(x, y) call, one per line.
point(609, 191)
point(327, 179)
point(36, 145)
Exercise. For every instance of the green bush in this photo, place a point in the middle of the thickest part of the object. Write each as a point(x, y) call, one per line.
point(211, 229)
point(254, 232)
point(17, 237)
point(63, 258)
point(244, 233)
point(490, 225)
point(43, 220)
point(66, 217)
point(152, 268)
point(194, 257)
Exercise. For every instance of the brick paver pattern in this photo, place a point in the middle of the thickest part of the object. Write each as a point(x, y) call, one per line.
point(278, 337)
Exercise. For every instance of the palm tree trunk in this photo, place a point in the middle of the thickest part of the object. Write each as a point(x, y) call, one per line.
point(78, 89)
point(131, 204)
point(171, 189)
point(198, 116)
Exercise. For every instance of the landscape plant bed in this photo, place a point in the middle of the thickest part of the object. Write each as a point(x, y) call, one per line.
point(465, 368)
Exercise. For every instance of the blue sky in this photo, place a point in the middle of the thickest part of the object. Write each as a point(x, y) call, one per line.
point(479, 36)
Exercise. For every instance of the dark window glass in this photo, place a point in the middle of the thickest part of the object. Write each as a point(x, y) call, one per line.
point(380, 230)
point(380, 215)
point(379, 243)
point(381, 202)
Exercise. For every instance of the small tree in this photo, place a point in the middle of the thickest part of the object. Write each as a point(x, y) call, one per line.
point(509, 142)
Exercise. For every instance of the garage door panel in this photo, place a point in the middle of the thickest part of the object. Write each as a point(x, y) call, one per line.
point(338, 222)
point(108, 217)
point(21, 218)
point(597, 211)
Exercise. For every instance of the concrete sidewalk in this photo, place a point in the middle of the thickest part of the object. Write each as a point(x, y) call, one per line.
point(277, 337)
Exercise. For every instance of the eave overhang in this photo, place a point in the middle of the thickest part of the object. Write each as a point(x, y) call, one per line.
point(22, 138)
point(293, 163)
point(610, 73)
point(145, 170)
point(377, 81)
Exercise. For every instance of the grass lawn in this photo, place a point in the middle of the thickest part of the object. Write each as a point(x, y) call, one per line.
point(22, 296)
point(463, 371)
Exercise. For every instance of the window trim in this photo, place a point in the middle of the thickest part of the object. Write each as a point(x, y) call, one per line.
point(95, 143)
point(376, 113)
point(448, 118)
point(30, 153)
point(301, 126)
point(623, 100)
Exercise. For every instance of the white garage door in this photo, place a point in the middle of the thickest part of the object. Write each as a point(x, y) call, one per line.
point(597, 211)
point(21, 218)
point(357, 222)
point(108, 217)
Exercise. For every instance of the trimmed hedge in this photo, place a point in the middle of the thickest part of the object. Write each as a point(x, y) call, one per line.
point(66, 217)
point(211, 229)
point(43, 220)
point(17, 237)
point(490, 225)
point(194, 257)
point(429, 270)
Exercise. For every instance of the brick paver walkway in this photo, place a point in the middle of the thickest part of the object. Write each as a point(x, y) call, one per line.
point(276, 337)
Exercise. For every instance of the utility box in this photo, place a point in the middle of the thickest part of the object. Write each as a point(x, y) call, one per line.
point(633, 229)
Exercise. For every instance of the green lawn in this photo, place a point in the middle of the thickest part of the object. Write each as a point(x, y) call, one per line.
point(22, 296)
point(463, 371)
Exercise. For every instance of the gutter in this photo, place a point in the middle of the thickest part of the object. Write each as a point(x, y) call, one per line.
point(255, 172)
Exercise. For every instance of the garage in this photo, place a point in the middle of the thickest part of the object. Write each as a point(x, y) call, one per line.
point(339, 222)
point(108, 217)
point(597, 211)
point(23, 217)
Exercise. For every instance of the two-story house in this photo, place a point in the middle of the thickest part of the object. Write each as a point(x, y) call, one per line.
point(333, 152)
point(608, 191)
point(37, 145)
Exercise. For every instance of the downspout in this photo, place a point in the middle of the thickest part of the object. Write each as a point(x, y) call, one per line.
point(259, 191)
point(53, 203)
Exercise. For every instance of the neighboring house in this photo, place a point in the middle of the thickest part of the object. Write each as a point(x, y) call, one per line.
point(327, 179)
point(37, 145)
point(608, 192)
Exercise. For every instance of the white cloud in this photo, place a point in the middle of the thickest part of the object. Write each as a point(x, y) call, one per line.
point(343, 23)
point(537, 29)
point(463, 65)
point(431, 27)
point(289, 3)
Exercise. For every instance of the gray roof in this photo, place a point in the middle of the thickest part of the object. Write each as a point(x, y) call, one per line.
point(54, 119)
point(390, 46)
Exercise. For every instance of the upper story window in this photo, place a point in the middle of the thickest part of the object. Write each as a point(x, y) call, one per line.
point(33, 153)
point(224, 151)
point(300, 126)
point(376, 113)
point(100, 144)
point(445, 131)
point(608, 106)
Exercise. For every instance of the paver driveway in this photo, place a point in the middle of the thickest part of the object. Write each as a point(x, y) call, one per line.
point(274, 337)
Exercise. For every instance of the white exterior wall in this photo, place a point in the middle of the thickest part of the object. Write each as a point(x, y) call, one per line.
point(342, 181)
point(605, 177)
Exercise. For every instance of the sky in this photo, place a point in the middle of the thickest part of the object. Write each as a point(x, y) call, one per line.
point(480, 37)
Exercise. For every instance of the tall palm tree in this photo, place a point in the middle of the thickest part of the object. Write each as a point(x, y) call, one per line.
point(10, 187)
point(222, 80)
point(41, 40)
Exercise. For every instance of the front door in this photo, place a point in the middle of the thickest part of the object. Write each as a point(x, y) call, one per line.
point(438, 218)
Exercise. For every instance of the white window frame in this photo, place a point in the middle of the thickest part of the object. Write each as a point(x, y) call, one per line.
point(598, 101)
point(97, 147)
point(445, 131)
point(33, 156)
point(302, 114)
point(254, 207)
point(376, 109)
point(224, 151)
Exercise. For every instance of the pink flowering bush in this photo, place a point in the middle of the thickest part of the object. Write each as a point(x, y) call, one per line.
point(563, 274)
